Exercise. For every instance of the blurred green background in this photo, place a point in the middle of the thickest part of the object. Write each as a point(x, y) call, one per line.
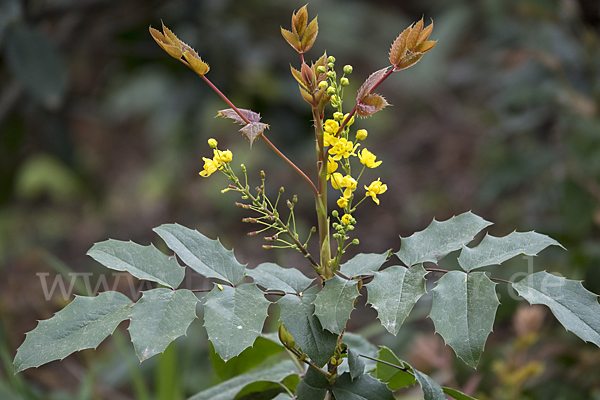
point(102, 136)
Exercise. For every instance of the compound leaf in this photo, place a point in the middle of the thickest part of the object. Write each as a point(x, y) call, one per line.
point(363, 264)
point(229, 389)
point(206, 256)
point(335, 303)
point(575, 307)
point(495, 250)
point(83, 324)
point(297, 313)
point(158, 318)
point(394, 291)
point(143, 262)
point(365, 387)
point(463, 311)
point(234, 317)
point(440, 238)
point(367, 86)
point(273, 277)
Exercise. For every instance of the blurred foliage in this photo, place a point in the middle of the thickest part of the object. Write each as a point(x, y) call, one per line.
point(102, 135)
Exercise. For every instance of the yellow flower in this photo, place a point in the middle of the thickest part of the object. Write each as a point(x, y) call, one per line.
point(349, 183)
point(351, 119)
point(375, 188)
point(368, 158)
point(346, 219)
point(223, 156)
point(332, 166)
point(210, 166)
point(328, 139)
point(341, 148)
point(331, 126)
point(361, 134)
point(342, 202)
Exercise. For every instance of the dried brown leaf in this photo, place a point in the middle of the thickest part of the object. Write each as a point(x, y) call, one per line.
point(291, 38)
point(371, 81)
point(253, 131)
point(299, 21)
point(413, 36)
point(310, 35)
point(232, 114)
point(370, 105)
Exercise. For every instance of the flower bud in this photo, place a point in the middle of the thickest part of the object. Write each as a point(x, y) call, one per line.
point(295, 199)
point(262, 174)
point(321, 69)
point(361, 134)
point(212, 143)
point(344, 82)
point(331, 90)
point(286, 338)
point(252, 233)
point(334, 214)
point(331, 59)
point(281, 190)
point(355, 242)
point(338, 116)
point(289, 204)
point(267, 246)
point(331, 75)
point(322, 85)
point(330, 65)
point(313, 229)
point(348, 69)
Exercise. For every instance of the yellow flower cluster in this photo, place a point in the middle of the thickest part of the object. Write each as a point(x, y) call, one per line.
point(220, 158)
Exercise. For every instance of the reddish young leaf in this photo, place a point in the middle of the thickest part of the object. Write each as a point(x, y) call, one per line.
point(298, 76)
point(425, 46)
point(370, 105)
point(424, 35)
point(305, 95)
point(253, 131)
point(230, 113)
point(291, 38)
point(398, 49)
point(310, 35)
point(367, 86)
point(299, 21)
point(409, 61)
point(413, 36)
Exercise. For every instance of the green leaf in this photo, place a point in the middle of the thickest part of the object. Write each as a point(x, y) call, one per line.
point(143, 262)
point(463, 311)
point(356, 365)
point(395, 378)
point(364, 387)
point(297, 313)
point(158, 318)
point(363, 264)
point(313, 386)
point(494, 250)
point(394, 291)
point(248, 359)
point(36, 63)
point(359, 345)
point(282, 396)
point(234, 317)
point(229, 389)
point(335, 303)
point(431, 390)
point(440, 238)
point(456, 394)
point(83, 324)
point(273, 277)
point(575, 307)
point(206, 256)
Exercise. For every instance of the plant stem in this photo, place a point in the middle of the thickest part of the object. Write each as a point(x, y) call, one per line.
point(326, 271)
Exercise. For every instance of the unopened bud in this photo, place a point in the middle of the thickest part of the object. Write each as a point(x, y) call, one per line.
point(331, 59)
point(269, 239)
point(338, 116)
point(289, 204)
point(243, 167)
point(321, 69)
point(334, 214)
point(350, 227)
point(252, 233)
point(267, 246)
point(295, 199)
point(361, 134)
point(331, 90)
point(233, 187)
point(281, 190)
point(323, 85)
point(344, 82)
point(355, 241)
point(212, 143)
point(331, 75)
point(262, 175)
point(313, 229)
point(348, 69)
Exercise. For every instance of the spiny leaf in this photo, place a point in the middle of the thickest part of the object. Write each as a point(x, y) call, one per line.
point(206, 256)
point(367, 86)
point(229, 389)
point(313, 386)
point(431, 390)
point(298, 76)
point(424, 35)
point(166, 44)
point(463, 312)
point(363, 264)
point(171, 36)
point(305, 95)
point(158, 318)
point(253, 131)
point(440, 238)
point(398, 49)
point(370, 104)
point(310, 35)
point(335, 303)
point(234, 317)
point(395, 378)
point(83, 324)
point(297, 313)
point(413, 36)
point(425, 46)
point(232, 114)
point(292, 39)
point(273, 277)
point(495, 250)
point(195, 62)
point(393, 292)
point(457, 394)
point(355, 364)
point(299, 21)
point(143, 262)
point(409, 61)
point(575, 307)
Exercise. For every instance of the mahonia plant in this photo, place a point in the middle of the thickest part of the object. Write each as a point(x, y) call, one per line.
point(323, 360)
